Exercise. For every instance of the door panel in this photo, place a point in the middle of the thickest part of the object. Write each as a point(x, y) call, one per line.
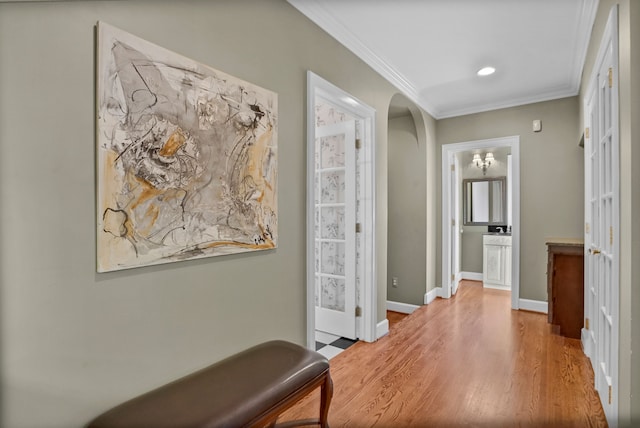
point(605, 258)
point(602, 220)
point(335, 237)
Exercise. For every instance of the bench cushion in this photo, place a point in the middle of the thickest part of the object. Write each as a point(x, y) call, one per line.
point(229, 393)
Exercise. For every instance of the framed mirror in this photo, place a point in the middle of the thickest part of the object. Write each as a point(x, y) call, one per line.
point(484, 201)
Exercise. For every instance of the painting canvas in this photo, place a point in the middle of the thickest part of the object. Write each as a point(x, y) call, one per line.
point(186, 157)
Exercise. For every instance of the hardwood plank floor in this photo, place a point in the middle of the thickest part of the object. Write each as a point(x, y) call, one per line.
point(394, 318)
point(466, 361)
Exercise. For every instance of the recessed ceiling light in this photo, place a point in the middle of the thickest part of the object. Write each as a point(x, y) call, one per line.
point(486, 71)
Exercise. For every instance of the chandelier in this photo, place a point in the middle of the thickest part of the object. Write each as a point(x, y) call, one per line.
point(483, 164)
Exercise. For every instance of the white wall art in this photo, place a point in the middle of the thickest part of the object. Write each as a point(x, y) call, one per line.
point(186, 157)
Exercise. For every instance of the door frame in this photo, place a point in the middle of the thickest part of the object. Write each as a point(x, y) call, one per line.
point(454, 231)
point(448, 152)
point(317, 87)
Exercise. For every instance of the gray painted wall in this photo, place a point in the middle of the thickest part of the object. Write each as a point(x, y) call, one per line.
point(406, 253)
point(75, 343)
point(551, 176)
point(471, 248)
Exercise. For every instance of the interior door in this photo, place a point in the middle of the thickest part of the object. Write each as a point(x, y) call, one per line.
point(335, 229)
point(602, 229)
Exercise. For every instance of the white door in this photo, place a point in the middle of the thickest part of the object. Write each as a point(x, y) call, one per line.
point(602, 229)
point(335, 229)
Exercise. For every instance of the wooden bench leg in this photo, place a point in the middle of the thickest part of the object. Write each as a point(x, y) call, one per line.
point(326, 393)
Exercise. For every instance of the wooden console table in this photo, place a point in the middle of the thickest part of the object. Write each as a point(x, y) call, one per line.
point(565, 285)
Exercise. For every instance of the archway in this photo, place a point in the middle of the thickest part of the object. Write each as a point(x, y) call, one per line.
point(410, 243)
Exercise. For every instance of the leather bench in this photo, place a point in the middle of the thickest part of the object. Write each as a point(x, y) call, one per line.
point(249, 389)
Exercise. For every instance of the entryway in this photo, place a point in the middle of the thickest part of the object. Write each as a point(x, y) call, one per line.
point(452, 215)
point(341, 286)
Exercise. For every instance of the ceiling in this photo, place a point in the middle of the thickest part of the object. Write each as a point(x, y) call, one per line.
point(431, 49)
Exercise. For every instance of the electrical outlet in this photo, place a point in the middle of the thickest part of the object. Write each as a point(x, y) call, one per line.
point(394, 282)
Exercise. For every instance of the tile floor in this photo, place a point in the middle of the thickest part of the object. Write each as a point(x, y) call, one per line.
point(330, 345)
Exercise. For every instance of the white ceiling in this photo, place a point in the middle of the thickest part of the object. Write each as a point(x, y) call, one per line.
point(432, 49)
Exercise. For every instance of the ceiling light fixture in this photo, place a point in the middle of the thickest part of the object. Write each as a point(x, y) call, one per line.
point(486, 71)
point(484, 164)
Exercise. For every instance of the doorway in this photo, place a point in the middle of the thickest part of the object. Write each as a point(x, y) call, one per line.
point(451, 215)
point(341, 286)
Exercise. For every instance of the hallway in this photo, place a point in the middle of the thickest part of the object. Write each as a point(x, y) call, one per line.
point(466, 361)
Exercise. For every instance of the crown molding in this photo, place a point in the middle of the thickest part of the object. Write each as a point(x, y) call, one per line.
point(314, 10)
point(514, 102)
point(583, 30)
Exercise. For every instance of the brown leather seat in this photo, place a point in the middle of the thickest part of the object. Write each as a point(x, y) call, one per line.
point(247, 389)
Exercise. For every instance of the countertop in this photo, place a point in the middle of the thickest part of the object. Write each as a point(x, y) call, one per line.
point(575, 242)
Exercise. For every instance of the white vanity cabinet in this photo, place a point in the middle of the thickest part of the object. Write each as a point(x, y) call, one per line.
point(496, 261)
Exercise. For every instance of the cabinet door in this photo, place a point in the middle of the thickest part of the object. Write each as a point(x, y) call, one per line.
point(493, 272)
point(507, 265)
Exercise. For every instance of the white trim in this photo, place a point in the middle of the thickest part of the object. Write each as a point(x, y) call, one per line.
point(534, 306)
point(403, 308)
point(439, 292)
point(497, 287)
point(471, 276)
point(448, 150)
point(565, 92)
point(382, 328)
point(366, 324)
point(584, 28)
point(316, 12)
point(586, 343)
point(430, 296)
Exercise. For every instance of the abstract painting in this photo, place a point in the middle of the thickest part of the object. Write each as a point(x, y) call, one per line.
point(186, 157)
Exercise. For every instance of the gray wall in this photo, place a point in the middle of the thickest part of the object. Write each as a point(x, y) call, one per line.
point(406, 251)
point(629, 91)
point(551, 176)
point(471, 248)
point(74, 342)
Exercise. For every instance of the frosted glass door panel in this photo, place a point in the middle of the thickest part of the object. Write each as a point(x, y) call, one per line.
point(335, 202)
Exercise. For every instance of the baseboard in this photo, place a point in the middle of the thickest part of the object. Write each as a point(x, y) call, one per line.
point(584, 338)
point(439, 292)
point(382, 329)
point(500, 287)
point(534, 305)
point(403, 308)
point(430, 296)
point(472, 276)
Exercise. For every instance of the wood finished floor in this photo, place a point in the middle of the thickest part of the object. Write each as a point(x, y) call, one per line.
point(394, 318)
point(466, 361)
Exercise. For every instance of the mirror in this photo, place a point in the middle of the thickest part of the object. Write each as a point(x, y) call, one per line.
point(484, 201)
